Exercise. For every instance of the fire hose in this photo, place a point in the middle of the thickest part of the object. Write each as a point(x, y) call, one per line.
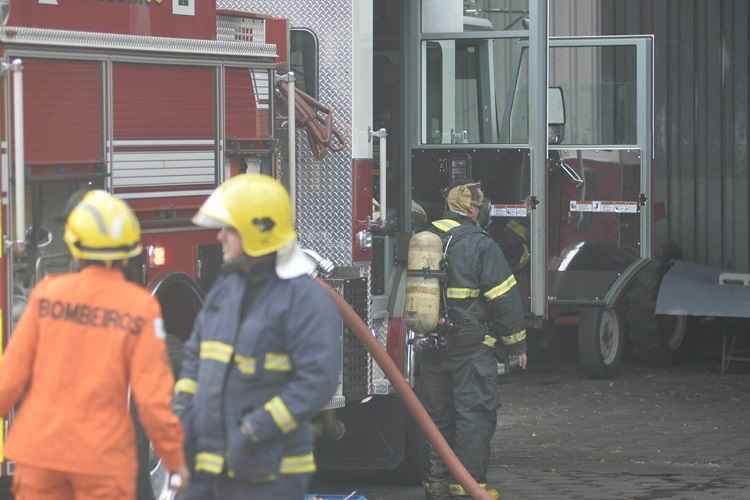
point(433, 434)
point(315, 118)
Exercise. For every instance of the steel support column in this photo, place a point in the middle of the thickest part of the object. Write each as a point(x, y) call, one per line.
point(538, 76)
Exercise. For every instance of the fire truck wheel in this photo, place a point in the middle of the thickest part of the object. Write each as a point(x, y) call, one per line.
point(600, 342)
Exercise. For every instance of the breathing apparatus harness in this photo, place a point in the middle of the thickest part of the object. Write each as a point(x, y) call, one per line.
point(438, 340)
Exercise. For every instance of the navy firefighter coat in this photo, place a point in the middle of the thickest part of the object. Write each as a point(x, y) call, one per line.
point(263, 358)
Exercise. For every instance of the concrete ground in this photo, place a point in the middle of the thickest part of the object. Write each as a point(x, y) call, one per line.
point(652, 433)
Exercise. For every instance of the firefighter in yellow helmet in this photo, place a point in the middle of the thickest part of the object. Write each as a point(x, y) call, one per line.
point(264, 356)
point(84, 343)
point(483, 312)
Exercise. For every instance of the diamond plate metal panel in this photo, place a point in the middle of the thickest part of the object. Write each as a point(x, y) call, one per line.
point(324, 188)
point(357, 362)
point(379, 383)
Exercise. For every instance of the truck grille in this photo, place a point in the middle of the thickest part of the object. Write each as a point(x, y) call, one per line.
point(356, 360)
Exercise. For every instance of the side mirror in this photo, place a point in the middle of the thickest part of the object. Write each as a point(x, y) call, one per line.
point(555, 106)
point(556, 115)
point(4, 11)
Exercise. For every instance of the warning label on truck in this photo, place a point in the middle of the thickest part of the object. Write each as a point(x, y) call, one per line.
point(605, 207)
point(518, 210)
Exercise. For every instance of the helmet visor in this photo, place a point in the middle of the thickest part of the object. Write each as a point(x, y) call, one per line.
point(213, 213)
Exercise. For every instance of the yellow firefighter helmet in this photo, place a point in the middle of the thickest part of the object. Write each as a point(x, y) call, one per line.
point(257, 206)
point(103, 228)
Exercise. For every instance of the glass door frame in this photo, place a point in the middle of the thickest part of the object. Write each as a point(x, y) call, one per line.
point(644, 117)
point(644, 74)
point(413, 95)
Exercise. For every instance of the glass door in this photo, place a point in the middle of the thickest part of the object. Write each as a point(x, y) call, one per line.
point(598, 170)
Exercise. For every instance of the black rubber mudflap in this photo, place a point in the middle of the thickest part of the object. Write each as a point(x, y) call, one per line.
point(647, 335)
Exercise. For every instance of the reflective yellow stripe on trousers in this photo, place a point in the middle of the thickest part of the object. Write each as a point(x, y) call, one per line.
point(300, 464)
point(209, 462)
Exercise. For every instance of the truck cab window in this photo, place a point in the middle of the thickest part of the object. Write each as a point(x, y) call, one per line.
point(303, 57)
point(470, 86)
point(454, 16)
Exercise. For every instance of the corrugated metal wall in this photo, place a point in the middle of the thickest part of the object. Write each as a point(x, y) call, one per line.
point(701, 114)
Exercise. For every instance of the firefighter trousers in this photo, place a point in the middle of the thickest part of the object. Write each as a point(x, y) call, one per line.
point(210, 487)
point(459, 391)
point(34, 483)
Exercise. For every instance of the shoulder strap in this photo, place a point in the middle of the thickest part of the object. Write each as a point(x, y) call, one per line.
point(451, 231)
point(445, 225)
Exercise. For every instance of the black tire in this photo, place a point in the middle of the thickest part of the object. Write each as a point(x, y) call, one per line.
point(654, 339)
point(673, 332)
point(600, 342)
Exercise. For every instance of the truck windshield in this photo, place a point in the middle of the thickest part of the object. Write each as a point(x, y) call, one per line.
point(476, 92)
point(469, 86)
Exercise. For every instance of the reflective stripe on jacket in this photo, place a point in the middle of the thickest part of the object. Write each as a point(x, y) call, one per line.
point(248, 389)
point(481, 292)
point(84, 342)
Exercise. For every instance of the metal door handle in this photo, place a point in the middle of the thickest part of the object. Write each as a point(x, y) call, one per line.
point(571, 173)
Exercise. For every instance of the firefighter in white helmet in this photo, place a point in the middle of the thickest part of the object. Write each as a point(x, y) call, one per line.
point(85, 342)
point(264, 356)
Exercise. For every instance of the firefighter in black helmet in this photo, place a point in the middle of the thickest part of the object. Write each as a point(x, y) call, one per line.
point(458, 382)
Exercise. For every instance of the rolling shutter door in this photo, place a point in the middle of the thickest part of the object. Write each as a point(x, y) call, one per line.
point(63, 112)
point(164, 135)
point(163, 102)
point(247, 104)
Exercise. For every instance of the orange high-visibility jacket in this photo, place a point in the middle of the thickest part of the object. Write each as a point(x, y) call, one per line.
point(85, 344)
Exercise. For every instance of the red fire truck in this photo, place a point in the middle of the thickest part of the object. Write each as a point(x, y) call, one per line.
point(158, 101)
